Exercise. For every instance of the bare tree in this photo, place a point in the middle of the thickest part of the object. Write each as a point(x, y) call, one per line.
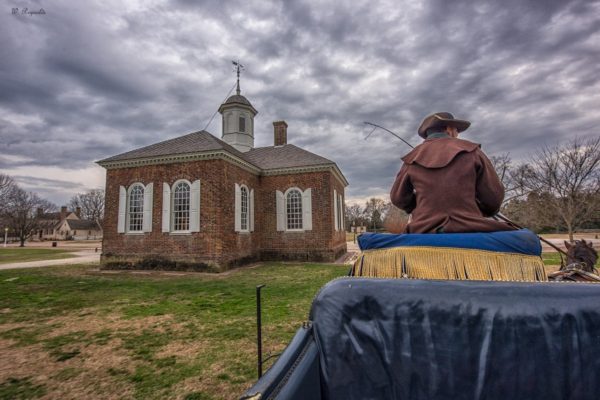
point(5, 181)
point(570, 174)
point(512, 177)
point(395, 220)
point(354, 215)
point(6, 185)
point(374, 212)
point(91, 203)
point(21, 212)
point(533, 212)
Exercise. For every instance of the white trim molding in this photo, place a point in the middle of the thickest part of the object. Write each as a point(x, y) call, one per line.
point(223, 155)
point(177, 158)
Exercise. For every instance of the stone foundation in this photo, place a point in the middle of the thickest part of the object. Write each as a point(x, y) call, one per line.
point(186, 263)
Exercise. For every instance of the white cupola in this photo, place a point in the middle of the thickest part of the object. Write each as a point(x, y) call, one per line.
point(238, 121)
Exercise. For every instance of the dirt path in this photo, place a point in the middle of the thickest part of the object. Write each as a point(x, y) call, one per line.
point(81, 257)
point(71, 245)
point(351, 255)
point(560, 242)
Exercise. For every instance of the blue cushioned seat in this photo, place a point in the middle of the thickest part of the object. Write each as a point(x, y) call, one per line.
point(521, 241)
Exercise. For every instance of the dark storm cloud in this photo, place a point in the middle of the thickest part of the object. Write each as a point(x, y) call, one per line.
point(86, 82)
point(54, 190)
point(55, 184)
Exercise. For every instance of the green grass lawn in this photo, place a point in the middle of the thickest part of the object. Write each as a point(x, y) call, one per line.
point(554, 259)
point(551, 258)
point(23, 254)
point(71, 332)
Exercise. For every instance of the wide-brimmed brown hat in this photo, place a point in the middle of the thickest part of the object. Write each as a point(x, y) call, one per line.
point(442, 119)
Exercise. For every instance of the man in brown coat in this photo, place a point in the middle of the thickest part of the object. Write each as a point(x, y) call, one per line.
point(448, 184)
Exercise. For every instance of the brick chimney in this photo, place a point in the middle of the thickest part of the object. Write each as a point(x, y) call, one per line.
point(39, 212)
point(280, 132)
point(78, 211)
point(63, 212)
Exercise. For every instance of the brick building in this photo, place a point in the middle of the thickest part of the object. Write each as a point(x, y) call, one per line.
point(200, 202)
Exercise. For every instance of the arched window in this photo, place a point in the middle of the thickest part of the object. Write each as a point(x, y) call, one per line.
point(244, 208)
point(293, 209)
point(181, 207)
point(135, 208)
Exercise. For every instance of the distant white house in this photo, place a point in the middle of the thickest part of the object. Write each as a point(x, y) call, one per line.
point(66, 225)
point(79, 230)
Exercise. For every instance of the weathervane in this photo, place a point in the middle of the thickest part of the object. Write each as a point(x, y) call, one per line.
point(239, 67)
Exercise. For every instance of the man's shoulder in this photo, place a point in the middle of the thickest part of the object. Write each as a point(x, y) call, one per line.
point(439, 151)
point(444, 143)
point(467, 143)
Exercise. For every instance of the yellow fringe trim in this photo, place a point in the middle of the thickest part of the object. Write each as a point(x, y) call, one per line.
point(449, 263)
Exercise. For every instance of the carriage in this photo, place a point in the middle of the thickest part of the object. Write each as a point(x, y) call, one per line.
point(451, 316)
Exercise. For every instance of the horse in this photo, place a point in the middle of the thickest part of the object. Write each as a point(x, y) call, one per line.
point(581, 261)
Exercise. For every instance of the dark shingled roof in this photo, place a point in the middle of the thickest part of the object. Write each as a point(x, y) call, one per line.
point(83, 224)
point(272, 157)
point(286, 156)
point(194, 142)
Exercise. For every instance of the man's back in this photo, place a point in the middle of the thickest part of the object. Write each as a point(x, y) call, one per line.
point(448, 185)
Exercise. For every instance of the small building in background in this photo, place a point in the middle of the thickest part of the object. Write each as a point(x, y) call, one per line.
point(78, 229)
point(358, 229)
point(66, 225)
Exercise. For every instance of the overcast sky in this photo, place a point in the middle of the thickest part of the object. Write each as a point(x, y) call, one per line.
point(88, 80)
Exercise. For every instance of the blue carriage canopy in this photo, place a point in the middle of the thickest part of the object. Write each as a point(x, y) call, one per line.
point(521, 241)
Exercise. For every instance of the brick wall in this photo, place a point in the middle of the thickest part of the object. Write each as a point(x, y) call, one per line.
point(321, 243)
point(279, 133)
point(339, 237)
point(238, 247)
point(211, 246)
point(217, 246)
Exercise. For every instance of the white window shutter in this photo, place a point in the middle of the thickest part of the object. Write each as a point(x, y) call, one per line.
point(238, 208)
point(335, 210)
point(307, 210)
point(147, 217)
point(342, 214)
point(195, 207)
point(251, 210)
point(122, 208)
point(280, 210)
point(166, 208)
